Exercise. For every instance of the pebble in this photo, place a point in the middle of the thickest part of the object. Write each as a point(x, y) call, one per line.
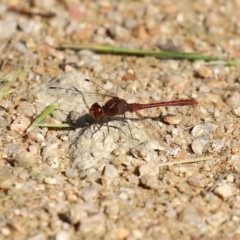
point(236, 111)
point(53, 162)
point(150, 181)
point(89, 193)
point(171, 213)
point(112, 210)
point(21, 47)
point(50, 180)
point(119, 233)
point(25, 159)
point(5, 231)
point(225, 190)
point(233, 100)
point(26, 108)
point(94, 224)
point(196, 181)
point(30, 26)
point(218, 145)
point(217, 219)
point(171, 119)
point(119, 32)
point(133, 179)
point(6, 104)
point(8, 28)
point(199, 144)
point(203, 129)
point(6, 183)
point(50, 150)
point(110, 171)
point(36, 135)
point(192, 215)
point(148, 168)
point(71, 172)
point(20, 124)
point(203, 72)
point(63, 235)
point(146, 150)
point(24, 175)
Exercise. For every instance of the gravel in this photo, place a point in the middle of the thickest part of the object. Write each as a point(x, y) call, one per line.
point(124, 179)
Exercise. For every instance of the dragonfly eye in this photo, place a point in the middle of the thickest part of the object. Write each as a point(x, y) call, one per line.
point(96, 111)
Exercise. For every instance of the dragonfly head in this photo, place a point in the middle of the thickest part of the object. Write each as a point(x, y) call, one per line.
point(96, 111)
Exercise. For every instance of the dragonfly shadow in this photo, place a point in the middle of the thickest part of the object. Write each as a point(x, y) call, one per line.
point(85, 121)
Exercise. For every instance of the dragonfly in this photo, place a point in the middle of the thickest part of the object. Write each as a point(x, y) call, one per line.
point(117, 106)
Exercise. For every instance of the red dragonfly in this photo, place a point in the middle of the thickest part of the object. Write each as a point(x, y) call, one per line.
point(117, 106)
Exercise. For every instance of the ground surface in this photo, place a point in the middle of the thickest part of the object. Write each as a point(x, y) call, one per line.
point(118, 182)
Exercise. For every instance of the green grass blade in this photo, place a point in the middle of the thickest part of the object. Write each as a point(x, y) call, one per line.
point(15, 76)
point(5, 93)
point(42, 116)
point(60, 125)
point(160, 54)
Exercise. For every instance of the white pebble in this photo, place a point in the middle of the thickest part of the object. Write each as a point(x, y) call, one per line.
point(63, 235)
point(203, 129)
point(148, 168)
point(110, 171)
point(50, 180)
point(216, 219)
point(89, 193)
point(199, 144)
point(149, 181)
point(225, 190)
point(71, 172)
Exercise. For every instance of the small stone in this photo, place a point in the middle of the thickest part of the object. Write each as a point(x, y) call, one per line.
point(203, 72)
point(62, 235)
point(171, 213)
point(119, 233)
point(133, 179)
point(5, 231)
point(53, 162)
point(225, 190)
point(24, 175)
point(203, 129)
point(112, 210)
point(216, 219)
point(71, 197)
point(71, 172)
point(196, 181)
point(26, 108)
point(25, 159)
point(234, 100)
point(20, 124)
point(50, 180)
point(236, 111)
point(50, 150)
point(8, 28)
point(6, 183)
point(119, 32)
point(199, 144)
point(192, 215)
point(171, 119)
point(36, 135)
point(110, 171)
point(140, 32)
point(21, 47)
point(149, 181)
point(128, 76)
point(94, 224)
point(146, 150)
point(148, 168)
point(89, 193)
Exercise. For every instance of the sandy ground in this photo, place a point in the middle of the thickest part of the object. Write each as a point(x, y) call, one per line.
point(173, 173)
